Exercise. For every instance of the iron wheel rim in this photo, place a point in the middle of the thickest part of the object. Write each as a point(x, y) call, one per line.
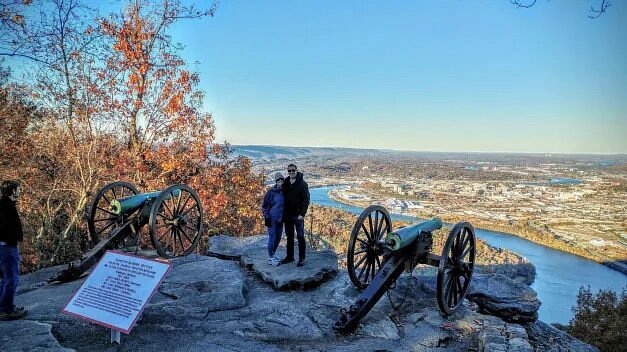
point(456, 267)
point(100, 219)
point(364, 257)
point(176, 222)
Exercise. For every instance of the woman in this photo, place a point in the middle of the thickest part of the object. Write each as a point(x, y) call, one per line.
point(273, 214)
point(10, 235)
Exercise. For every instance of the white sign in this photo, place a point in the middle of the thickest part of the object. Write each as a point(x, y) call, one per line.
point(117, 290)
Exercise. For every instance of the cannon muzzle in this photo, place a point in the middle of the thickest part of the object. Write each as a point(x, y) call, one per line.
point(403, 237)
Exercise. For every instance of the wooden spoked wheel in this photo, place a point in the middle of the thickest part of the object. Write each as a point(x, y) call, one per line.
point(364, 257)
point(101, 220)
point(176, 220)
point(456, 266)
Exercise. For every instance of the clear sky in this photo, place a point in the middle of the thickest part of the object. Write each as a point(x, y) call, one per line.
point(415, 75)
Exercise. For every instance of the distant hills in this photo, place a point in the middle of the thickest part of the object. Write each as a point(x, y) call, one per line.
point(271, 153)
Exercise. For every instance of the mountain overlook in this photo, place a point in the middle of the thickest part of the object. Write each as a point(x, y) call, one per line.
point(238, 304)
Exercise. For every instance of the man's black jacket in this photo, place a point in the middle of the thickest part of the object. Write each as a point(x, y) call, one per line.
point(10, 224)
point(296, 196)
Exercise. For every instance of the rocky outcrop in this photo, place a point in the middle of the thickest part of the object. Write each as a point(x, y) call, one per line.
point(320, 266)
point(500, 296)
point(210, 304)
point(523, 272)
point(545, 337)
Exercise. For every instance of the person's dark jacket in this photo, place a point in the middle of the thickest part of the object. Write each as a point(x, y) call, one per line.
point(10, 224)
point(296, 196)
point(272, 207)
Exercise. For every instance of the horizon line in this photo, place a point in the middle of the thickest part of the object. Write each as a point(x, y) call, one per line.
point(435, 151)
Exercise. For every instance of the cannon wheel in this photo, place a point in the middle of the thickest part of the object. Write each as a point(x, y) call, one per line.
point(456, 267)
point(176, 221)
point(100, 218)
point(364, 257)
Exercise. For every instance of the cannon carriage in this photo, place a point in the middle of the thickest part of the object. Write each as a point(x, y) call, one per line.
point(377, 256)
point(118, 213)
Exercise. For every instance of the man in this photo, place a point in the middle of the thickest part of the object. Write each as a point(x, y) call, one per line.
point(296, 198)
point(10, 235)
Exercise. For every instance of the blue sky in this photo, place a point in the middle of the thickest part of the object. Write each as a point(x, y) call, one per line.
point(415, 75)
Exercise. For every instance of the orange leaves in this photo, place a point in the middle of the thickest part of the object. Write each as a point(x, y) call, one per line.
point(184, 77)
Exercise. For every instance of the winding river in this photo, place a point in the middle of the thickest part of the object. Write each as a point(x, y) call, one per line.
point(558, 274)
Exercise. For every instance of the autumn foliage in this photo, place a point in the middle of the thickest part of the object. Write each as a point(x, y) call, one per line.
point(110, 99)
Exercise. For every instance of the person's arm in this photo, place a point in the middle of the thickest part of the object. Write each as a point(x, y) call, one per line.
point(265, 208)
point(18, 227)
point(3, 220)
point(305, 202)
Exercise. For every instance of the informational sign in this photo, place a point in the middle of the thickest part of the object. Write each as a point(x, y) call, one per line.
point(117, 290)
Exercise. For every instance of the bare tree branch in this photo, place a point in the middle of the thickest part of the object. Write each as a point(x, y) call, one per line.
point(596, 13)
point(519, 4)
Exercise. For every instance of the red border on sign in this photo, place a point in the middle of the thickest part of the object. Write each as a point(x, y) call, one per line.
point(140, 310)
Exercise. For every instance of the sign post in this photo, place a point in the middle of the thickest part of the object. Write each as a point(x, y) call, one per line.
point(116, 291)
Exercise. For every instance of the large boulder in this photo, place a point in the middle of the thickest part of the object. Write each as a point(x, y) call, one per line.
point(505, 298)
point(320, 266)
point(198, 285)
point(520, 272)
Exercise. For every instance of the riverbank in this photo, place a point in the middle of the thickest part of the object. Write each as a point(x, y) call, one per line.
point(524, 231)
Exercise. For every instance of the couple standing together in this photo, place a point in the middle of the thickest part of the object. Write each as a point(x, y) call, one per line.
point(285, 204)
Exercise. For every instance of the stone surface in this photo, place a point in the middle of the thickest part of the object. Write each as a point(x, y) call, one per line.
point(496, 335)
point(523, 272)
point(545, 337)
point(198, 285)
point(498, 295)
point(319, 266)
point(209, 304)
point(231, 248)
point(27, 335)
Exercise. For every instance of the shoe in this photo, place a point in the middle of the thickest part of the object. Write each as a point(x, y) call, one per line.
point(287, 260)
point(301, 262)
point(14, 315)
point(270, 261)
point(275, 262)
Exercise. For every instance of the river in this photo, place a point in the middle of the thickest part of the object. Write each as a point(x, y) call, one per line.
point(558, 274)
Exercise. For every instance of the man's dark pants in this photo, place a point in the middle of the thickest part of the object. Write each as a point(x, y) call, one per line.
point(9, 265)
point(290, 223)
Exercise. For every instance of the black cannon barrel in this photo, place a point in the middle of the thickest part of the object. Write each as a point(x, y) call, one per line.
point(402, 237)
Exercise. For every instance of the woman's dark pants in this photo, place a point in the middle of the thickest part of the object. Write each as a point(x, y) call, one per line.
point(275, 230)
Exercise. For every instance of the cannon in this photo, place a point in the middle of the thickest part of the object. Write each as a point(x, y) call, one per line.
point(118, 213)
point(377, 256)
